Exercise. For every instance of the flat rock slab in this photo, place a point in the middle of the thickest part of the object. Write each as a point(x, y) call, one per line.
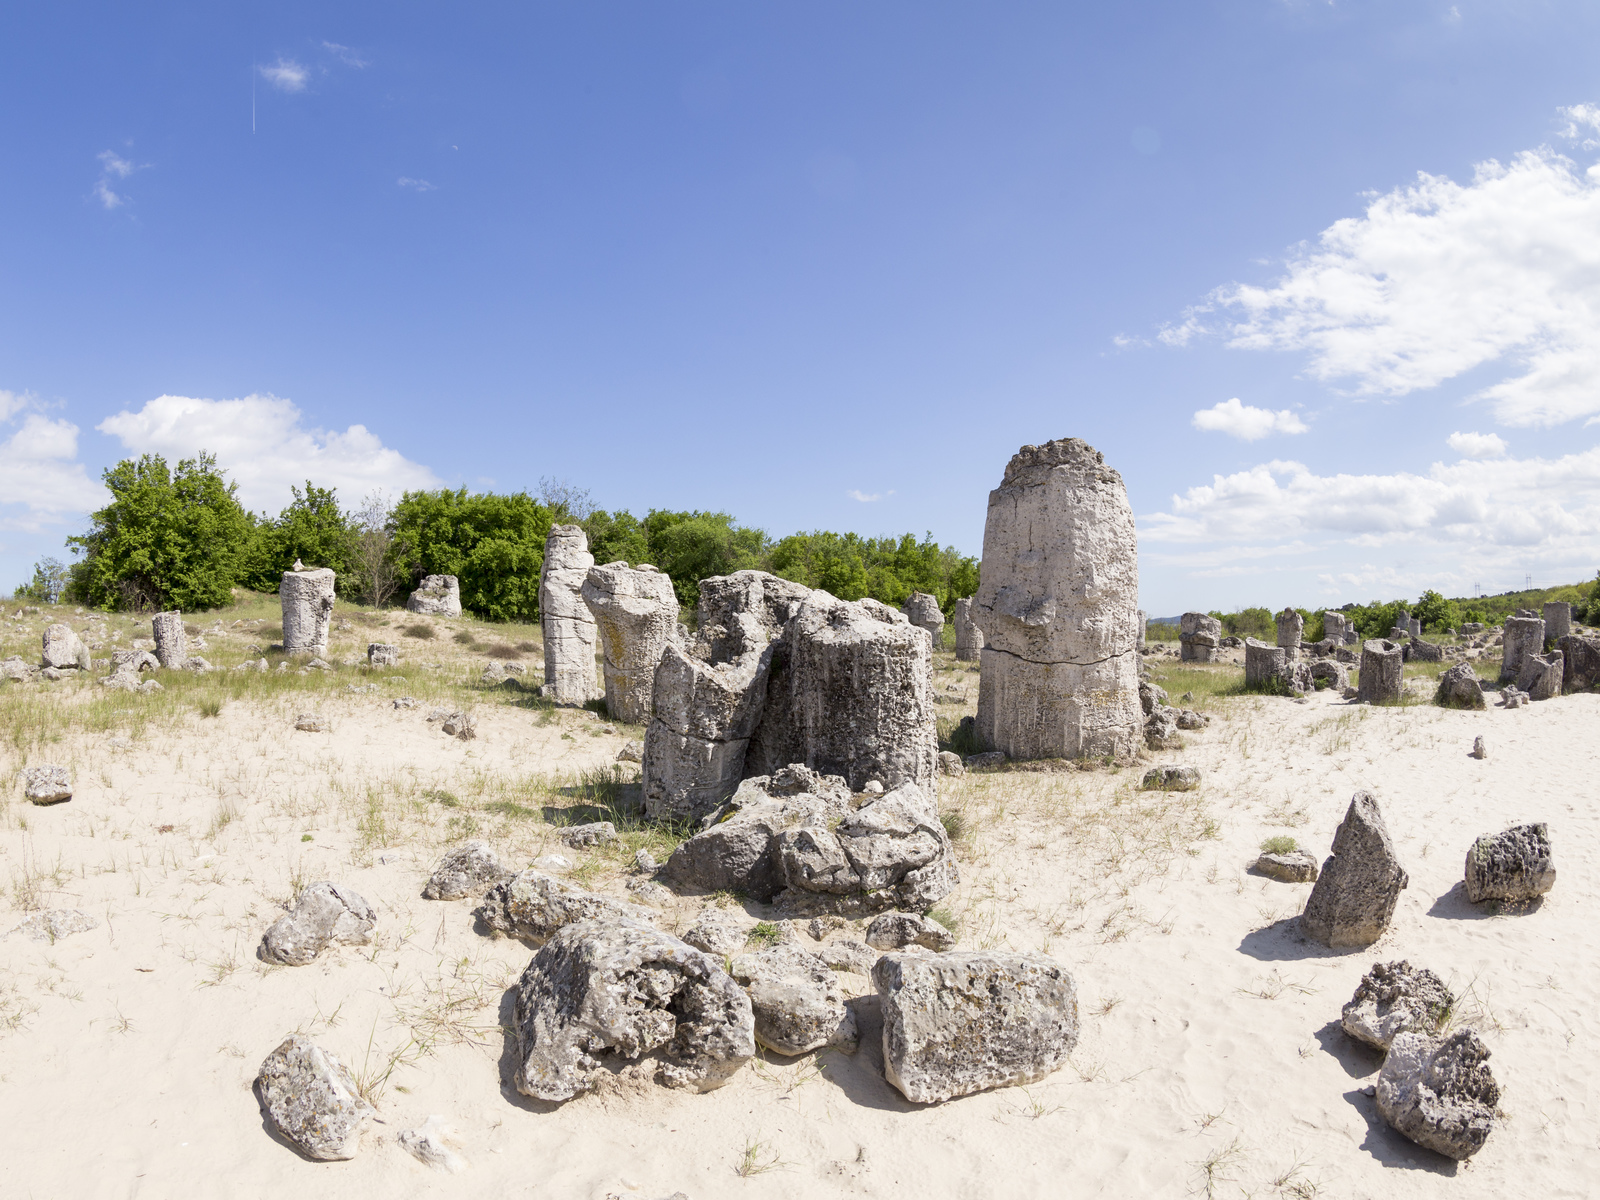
point(1295, 867)
point(311, 1099)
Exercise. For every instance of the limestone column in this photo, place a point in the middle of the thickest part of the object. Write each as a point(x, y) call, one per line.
point(569, 630)
point(307, 598)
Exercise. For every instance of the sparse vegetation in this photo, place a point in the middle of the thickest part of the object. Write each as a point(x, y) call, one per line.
point(1282, 844)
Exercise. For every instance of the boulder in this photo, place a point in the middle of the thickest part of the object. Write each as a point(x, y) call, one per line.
point(1161, 730)
point(534, 906)
point(1171, 779)
point(1480, 749)
point(15, 668)
point(1266, 668)
point(1329, 673)
point(438, 595)
point(381, 654)
point(988, 760)
point(1540, 676)
point(1058, 604)
point(1151, 697)
point(46, 784)
point(720, 931)
point(632, 751)
point(1395, 998)
point(1523, 636)
point(1199, 636)
point(1294, 867)
point(1514, 865)
point(1458, 688)
point(133, 661)
point(622, 988)
point(1581, 661)
point(64, 650)
point(1291, 625)
point(969, 638)
point(464, 871)
point(962, 1022)
point(570, 633)
point(950, 764)
point(307, 600)
point(172, 640)
point(695, 745)
point(323, 913)
point(1422, 651)
point(922, 610)
point(1382, 672)
point(636, 614)
point(796, 1001)
point(311, 1099)
point(1439, 1092)
point(897, 930)
point(1360, 883)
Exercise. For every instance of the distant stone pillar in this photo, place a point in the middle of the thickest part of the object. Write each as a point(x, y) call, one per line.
point(1382, 672)
point(1333, 627)
point(1199, 636)
point(1557, 620)
point(1144, 622)
point(969, 638)
point(1523, 636)
point(922, 610)
point(636, 613)
point(1264, 665)
point(172, 643)
point(1290, 626)
point(438, 595)
point(307, 598)
point(569, 630)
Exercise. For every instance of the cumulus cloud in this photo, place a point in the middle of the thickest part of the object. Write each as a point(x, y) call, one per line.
point(1246, 423)
point(286, 75)
point(41, 481)
point(1477, 445)
point(1441, 278)
point(263, 445)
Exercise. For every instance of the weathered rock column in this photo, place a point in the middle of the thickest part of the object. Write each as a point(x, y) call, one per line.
point(636, 614)
point(922, 610)
point(307, 598)
point(969, 638)
point(64, 650)
point(1333, 627)
point(1557, 620)
point(1523, 636)
point(1199, 636)
point(1264, 665)
point(1290, 626)
point(1382, 672)
point(172, 643)
point(439, 595)
point(565, 620)
point(1058, 604)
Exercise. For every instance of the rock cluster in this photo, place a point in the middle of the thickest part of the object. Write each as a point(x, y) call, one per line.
point(569, 629)
point(307, 599)
point(636, 614)
point(1360, 883)
point(323, 913)
point(437, 595)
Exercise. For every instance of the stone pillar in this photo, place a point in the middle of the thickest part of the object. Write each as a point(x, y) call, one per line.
point(307, 598)
point(1523, 636)
point(636, 614)
point(568, 626)
point(922, 610)
point(1557, 620)
point(1540, 675)
point(1333, 627)
point(1265, 666)
point(172, 643)
point(1143, 624)
point(969, 638)
point(1058, 605)
point(1382, 672)
point(1198, 637)
point(1290, 626)
point(1414, 627)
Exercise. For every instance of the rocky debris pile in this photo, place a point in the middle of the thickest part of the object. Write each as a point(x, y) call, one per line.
point(1524, 635)
point(570, 633)
point(464, 871)
point(381, 654)
point(54, 924)
point(1058, 604)
point(64, 650)
point(323, 913)
point(1458, 688)
point(1439, 1091)
point(1514, 865)
point(47, 783)
point(436, 595)
point(897, 930)
point(307, 599)
point(922, 610)
point(534, 906)
point(1199, 637)
point(312, 1100)
point(1171, 779)
point(1360, 883)
point(1395, 998)
point(636, 615)
point(962, 1022)
point(621, 988)
point(969, 638)
point(796, 1001)
point(1382, 672)
point(1540, 676)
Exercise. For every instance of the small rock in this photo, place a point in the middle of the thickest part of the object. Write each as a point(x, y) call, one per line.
point(847, 954)
point(1395, 998)
point(897, 930)
point(427, 1145)
point(311, 1098)
point(719, 931)
point(469, 868)
point(1512, 865)
point(645, 862)
point(650, 892)
point(1458, 688)
point(1171, 779)
point(631, 752)
point(553, 862)
point(1189, 719)
point(951, 764)
point(989, 758)
point(872, 787)
point(1294, 867)
point(1439, 1092)
point(55, 924)
point(381, 654)
point(323, 913)
point(608, 729)
point(46, 784)
point(406, 702)
point(821, 927)
point(796, 1001)
point(311, 723)
point(460, 725)
point(533, 906)
point(595, 833)
point(317, 664)
point(1479, 749)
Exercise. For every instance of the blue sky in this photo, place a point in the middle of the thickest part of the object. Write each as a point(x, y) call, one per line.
point(783, 259)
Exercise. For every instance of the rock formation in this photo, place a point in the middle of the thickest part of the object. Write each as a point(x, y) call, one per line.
point(1523, 636)
point(969, 638)
point(1290, 626)
point(796, 1001)
point(307, 598)
point(1540, 675)
point(636, 614)
point(570, 634)
point(1439, 1092)
point(1581, 658)
point(1360, 884)
point(64, 650)
point(172, 642)
point(1557, 620)
point(1199, 636)
point(323, 913)
point(312, 1100)
point(534, 906)
point(1395, 998)
point(1514, 865)
point(1275, 669)
point(922, 610)
point(1382, 672)
point(1458, 688)
point(437, 595)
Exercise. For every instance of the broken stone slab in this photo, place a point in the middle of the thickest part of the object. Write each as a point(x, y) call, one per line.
point(1524, 635)
point(1171, 779)
point(1540, 676)
point(1515, 864)
point(1294, 867)
point(436, 595)
point(1199, 636)
point(619, 987)
point(1382, 672)
point(307, 602)
point(922, 610)
point(172, 640)
point(47, 783)
point(64, 650)
point(1360, 883)
point(381, 654)
point(1395, 998)
point(969, 638)
point(464, 871)
point(1439, 1092)
point(55, 924)
point(796, 1001)
point(959, 1023)
point(897, 930)
point(323, 913)
point(1458, 688)
point(534, 906)
point(312, 1100)
point(570, 633)
point(987, 760)
point(636, 615)
point(594, 833)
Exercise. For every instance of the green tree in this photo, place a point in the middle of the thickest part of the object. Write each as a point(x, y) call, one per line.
point(1436, 613)
point(493, 544)
point(50, 578)
point(312, 529)
point(691, 546)
point(616, 537)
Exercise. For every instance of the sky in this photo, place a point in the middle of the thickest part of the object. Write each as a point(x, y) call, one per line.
point(1320, 280)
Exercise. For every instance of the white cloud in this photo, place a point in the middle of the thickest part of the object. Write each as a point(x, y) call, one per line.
point(1246, 423)
point(416, 185)
point(1440, 278)
point(867, 497)
point(114, 164)
point(262, 444)
point(286, 75)
point(40, 480)
point(1477, 445)
point(344, 54)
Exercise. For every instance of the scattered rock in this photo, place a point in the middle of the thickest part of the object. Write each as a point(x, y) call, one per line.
point(1513, 865)
point(1479, 749)
point(460, 725)
point(55, 924)
point(1161, 729)
point(1395, 998)
point(1189, 719)
point(632, 751)
point(796, 1001)
point(533, 906)
point(897, 930)
point(1294, 867)
point(436, 595)
point(64, 650)
point(311, 723)
point(428, 1144)
point(595, 833)
point(1439, 1092)
point(1458, 688)
point(381, 654)
point(1171, 779)
point(323, 913)
point(406, 702)
point(311, 1098)
point(15, 668)
point(464, 871)
point(1510, 697)
point(1355, 895)
point(1151, 697)
point(46, 784)
point(987, 760)
point(644, 862)
point(951, 764)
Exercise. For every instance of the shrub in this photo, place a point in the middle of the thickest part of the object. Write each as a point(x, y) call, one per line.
point(1279, 845)
point(419, 629)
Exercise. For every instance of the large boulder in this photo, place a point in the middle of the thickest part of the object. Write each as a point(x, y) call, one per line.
point(969, 638)
point(172, 640)
point(620, 987)
point(922, 610)
point(437, 595)
point(958, 1023)
point(1515, 864)
point(1580, 655)
point(1395, 998)
point(1524, 635)
point(1458, 688)
point(1540, 676)
point(307, 600)
point(570, 633)
point(534, 906)
point(312, 1100)
point(1058, 600)
point(1382, 672)
point(636, 613)
point(469, 868)
point(64, 650)
point(1360, 884)
point(1439, 1091)
point(1199, 636)
point(796, 1000)
point(323, 913)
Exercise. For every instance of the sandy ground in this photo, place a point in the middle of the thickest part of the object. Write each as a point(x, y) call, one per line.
point(1211, 1056)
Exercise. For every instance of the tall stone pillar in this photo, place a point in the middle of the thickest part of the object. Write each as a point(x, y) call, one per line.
point(636, 612)
point(307, 598)
point(172, 643)
point(568, 626)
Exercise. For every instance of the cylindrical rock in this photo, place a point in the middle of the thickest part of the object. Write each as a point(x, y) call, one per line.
point(1199, 636)
point(1557, 620)
point(1523, 636)
point(172, 643)
point(307, 598)
point(1290, 626)
point(1382, 672)
point(922, 610)
point(568, 625)
point(969, 638)
point(636, 613)
point(1264, 666)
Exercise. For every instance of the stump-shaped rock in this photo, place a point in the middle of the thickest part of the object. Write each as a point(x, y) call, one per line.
point(620, 987)
point(534, 906)
point(323, 913)
point(1458, 688)
point(796, 1001)
point(922, 610)
point(1557, 620)
point(636, 615)
point(1334, 625)
point(312, 1100)
point(570, 633)
point(1439, 1092)
point(381, 654)
point(307, 599)
point(962, 1022)
point(1360, 884)
point(469, 868)
point(1524, 635)
point(1199, 637)
point(1395, 998)
point(172, 640)
point(1382, 672)
point(969, 638)
point(1267, 668)
point(64, 650)
point(1291, 626)
point(695, 744)
point(47, 783)
point(436, 595)
point(1515, 864)
point(1540, 676)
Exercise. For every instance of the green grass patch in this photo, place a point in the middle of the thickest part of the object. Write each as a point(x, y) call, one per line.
point(1282, 844)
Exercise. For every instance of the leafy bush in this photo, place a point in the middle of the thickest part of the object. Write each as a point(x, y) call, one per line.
point(494, 545)
point(1279, 845)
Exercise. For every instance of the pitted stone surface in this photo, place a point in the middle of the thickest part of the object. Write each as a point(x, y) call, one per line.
point(1439, 1092)
point(1516, 865)
point(311, 1098)
point(796, 1000)
point(438, 595)
point(1395, 998)
point(1361, 881)
point(922, 610)
point(64, 650)
point(534, 906)
point(1458, 688)
point(969, 638)
point(469, 868)
point(1199, 636)
point(636, 614)
point(570, 633)
point(307, 599)
point(1523, 636)
point(323, 913)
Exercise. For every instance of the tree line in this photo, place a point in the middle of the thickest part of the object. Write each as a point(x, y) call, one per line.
point(177, 537)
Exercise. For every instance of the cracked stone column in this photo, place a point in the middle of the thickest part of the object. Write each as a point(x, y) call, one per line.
point(307, 598)
point(1058, 604)
point(570, 634)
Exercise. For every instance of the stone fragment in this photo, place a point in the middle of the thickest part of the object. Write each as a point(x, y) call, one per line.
point(1540, 676)
point(1058, 604)
point(533, 906)
point(1189, 719)
point(464, 871)
point(311, 723)
point(312, 1100)
point(1395, 998)
point(1382, 672)
point(381, 654)
point(922, 610)
point(46, 784)
point(172, 640)
point(1151, 697)
point(1360, 883)
point(988, 760)
point(631, 752)
point(1514, 865)
point(64, 650)
point(1581, 658)
point(406, 702)
point(438, 595)
point(430, 1144)
point(1421, 651)
point(1291, 625)
point(1479, 749)
point(1199, 636)
point(463, 726)
point(796, 1001)
point(54, 924)
point(951, 764)
point(323, 913)
point(1458, 688)
point(644, 861)
point(1524, 635)
point(1557, 620)
point(720, 931)
point(1510, 697)
point(969, 638)
point(134, 661)
point(847, 954)
point(1294, 867)
point(570, 633)
point(897, 930)
point(958, 1023)
point(1161, 729)
point(636, 614)
point(1439, 1092)
point(15, 668)
point(307, 599)
point(1171, 779)
point(594, 833)
point(622, 988)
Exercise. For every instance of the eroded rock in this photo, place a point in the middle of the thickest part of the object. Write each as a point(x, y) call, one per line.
point(1515, 864)
point(438, 595)
point(1458, 688)
point(969, 638)
point(897, 930)
point(636, 616)
point(796, 1001)
point(172, 640)
point(1382, 672)
point(464, 871)
point(312, 1100)
point(48, 783)
point(1395, 998)
point(534, 906)
point(307, 600)
point(1171, 779)
point(570, 633)
point(1439, 1092)
point(323, 913)
point(1360, 884)
point(64, 650)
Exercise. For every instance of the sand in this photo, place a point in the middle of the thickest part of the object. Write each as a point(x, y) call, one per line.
point(1211, 1054)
